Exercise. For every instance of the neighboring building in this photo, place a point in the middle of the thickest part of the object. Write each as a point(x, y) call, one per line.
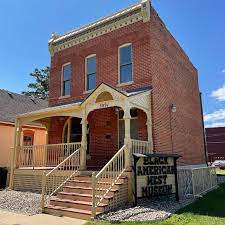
point(215, 141)
point(118, 86)
point(12, 104)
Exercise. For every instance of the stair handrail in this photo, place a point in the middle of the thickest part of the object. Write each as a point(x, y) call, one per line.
point(71, 165)
point(112, 172)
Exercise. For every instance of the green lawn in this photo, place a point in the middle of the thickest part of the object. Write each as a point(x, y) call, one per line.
point(218, 171)
point(209, 210)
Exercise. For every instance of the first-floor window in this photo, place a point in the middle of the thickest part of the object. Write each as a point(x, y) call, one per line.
point(66, 75)
point(91, 72)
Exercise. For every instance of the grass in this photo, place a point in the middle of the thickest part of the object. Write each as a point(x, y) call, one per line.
point(219, 171)
point(209, 210)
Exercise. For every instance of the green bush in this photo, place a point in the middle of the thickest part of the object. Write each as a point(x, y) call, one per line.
point(3, 177)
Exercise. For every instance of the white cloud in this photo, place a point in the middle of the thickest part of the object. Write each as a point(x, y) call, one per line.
point(216, 124)
point(219, 94)
point(215, 116)
point(223, 71)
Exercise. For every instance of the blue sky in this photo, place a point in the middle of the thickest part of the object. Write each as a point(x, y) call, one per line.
point(198, 26)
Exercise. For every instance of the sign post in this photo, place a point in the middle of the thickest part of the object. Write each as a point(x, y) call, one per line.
point(155, 175)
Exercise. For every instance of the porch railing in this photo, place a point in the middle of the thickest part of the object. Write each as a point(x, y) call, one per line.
point(141, 147)
point(45, 155)
point(108, 176)
point(53, 181)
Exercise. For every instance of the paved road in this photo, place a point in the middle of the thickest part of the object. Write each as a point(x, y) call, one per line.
point(9, 218)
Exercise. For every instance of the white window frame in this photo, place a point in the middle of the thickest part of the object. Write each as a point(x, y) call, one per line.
point(62, 79)
point(129, 82)
point(86, 59)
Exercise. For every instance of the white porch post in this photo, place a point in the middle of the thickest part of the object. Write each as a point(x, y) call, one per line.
point(69, 131)
point(14, 156)
point(83, 144)
point(127, 139)
point(149, 129)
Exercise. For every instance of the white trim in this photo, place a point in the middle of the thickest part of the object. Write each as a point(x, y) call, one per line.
point(125, 84)
point(64, 96)
point(193, 166)
point(86, 91)
point(131, 81)
point(61, 94)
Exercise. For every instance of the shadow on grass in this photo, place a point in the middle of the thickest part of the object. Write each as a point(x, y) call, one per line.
point(212, 204)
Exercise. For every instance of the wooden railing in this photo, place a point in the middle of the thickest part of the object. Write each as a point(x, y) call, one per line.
point(45, 155)
point(141, 147)
point(53, 181)
point(108, 176)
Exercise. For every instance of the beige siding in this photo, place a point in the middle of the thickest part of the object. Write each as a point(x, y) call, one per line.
point(7, 138)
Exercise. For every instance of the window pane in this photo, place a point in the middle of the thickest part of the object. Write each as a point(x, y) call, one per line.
point(66, 72)
point(91, 81)
point(125, 55)
point(126, 73)
point(91, 65)
point(66, 88)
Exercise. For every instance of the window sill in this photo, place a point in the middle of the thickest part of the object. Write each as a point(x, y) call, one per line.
point(66, 96)
point(88, 92)
point(125, 84)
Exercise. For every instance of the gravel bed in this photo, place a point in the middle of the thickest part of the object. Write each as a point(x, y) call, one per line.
point(156, 209)
point(20, 202)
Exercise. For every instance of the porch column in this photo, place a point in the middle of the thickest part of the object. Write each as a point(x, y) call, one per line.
point(69, 131)
point(127, 139)
point(83, 145)
point(149, 130)
point(14, 152)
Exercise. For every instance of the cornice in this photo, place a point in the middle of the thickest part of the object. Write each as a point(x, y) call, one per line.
point(130, 15)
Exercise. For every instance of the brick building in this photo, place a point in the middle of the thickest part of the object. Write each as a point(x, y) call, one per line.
point(122, 83)
point(215, 140)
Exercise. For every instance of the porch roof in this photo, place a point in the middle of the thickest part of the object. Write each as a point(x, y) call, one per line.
point(78, 105)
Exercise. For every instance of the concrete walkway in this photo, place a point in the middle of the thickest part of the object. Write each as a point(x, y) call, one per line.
point(10, 218)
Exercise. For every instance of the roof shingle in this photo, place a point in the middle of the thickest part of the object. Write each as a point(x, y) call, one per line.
point(12, 104)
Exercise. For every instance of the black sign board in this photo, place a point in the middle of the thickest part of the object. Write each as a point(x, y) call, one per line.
point(155, 175)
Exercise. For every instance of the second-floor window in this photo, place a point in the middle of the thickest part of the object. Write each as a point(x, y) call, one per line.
point(90, 72)
point(66, 76)
point(125, 63)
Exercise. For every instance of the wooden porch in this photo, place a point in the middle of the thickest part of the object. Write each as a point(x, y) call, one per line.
point(60, 170)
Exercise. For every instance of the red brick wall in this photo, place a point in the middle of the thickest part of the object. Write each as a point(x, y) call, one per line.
point(142, 127)
point(56, 129)
point(103, 122)
point(106, 49)
point(175, 80)
point(159, 61)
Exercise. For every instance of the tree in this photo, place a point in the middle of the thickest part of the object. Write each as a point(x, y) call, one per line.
point(40, 88)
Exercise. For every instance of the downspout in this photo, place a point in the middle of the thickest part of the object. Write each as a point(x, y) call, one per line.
point(203, 127)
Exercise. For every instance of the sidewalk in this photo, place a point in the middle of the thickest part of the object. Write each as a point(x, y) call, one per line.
point(10, 218)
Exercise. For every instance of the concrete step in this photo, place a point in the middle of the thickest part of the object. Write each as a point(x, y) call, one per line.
point(68, 212)
point(86, 190)
point(83, 197)
point(83, 205)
